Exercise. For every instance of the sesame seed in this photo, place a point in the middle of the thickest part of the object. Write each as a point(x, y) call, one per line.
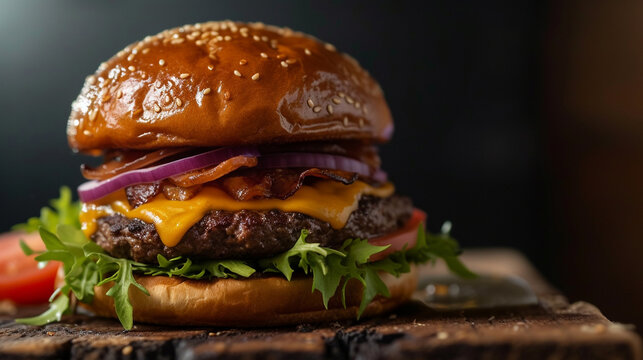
point(227, 38)
point(361, 122)
point(146, 50)
point(226, 95)
point(158, 84)
point(87, 132)
point(127, 350)
point(310, 103)
point(237, 73)
point(207, 91)
point(349, 100)
point(157, 108)
point(210, 67)
point(91, 80)
point(243, 62)
point(131, 68)
point(130, 57)
point(330, 47)
point(199, 42)
point(255, 76)
point(336, 100)
point(92, 114)
point(329, 108)
point(357, 105)
point(184, 75)
point(317, 109)
point(178, 102)
point(256, 38)
point(284, 64)
point(167, 99)
point(177, 41)
point(264, 38)
point(162, 62)
point(307, 51)
point(264, 55)
point(119, 94)
point(341, 94)
point(345, 120)
point(291, 61)
point(281, 56)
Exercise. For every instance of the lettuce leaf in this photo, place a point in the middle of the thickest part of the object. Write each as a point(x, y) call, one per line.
point(86, 264)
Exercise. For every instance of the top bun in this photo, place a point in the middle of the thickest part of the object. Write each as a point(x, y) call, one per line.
point(227, 83)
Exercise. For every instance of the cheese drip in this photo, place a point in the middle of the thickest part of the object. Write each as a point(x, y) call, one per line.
point(329, 201)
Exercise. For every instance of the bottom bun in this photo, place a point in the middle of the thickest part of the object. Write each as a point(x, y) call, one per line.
point(265, 301)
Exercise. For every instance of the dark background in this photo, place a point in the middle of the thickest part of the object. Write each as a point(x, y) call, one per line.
point(489, 133)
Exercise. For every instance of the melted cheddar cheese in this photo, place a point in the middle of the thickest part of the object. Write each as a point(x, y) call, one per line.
point(329, 201)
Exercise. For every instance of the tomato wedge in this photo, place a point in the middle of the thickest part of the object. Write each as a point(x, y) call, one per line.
point(398, 239)
point(21, 281)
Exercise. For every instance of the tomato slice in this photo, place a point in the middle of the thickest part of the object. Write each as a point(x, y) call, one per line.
point(21, 281)
point(398, 239)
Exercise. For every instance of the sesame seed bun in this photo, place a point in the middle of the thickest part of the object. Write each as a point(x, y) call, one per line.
point(266, 301)
point(227, 83)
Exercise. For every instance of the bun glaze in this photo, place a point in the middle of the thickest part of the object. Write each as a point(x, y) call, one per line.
point(227, 83)
point(267, 301)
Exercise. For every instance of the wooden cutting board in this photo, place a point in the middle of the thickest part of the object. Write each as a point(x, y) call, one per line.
point(550, 329)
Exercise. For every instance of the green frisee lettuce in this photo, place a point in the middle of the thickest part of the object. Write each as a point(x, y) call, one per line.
point(86, 264)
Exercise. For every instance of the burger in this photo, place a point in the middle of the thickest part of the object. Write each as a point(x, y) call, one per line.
point(240, 185)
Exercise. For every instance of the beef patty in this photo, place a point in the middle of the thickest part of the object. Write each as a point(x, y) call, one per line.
point(248, 234)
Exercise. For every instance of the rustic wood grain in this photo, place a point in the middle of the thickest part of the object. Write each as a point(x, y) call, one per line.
point(553, 329)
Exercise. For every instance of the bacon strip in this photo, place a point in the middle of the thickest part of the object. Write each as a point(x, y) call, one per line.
point(251, 185)
point(277, 183)
point(211, 173)
point(120, 161)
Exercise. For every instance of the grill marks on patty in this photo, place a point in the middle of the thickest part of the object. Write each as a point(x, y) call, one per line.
point(248, 234)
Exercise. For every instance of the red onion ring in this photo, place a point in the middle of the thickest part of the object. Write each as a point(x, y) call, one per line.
point(323, 161)
point(94, 190)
